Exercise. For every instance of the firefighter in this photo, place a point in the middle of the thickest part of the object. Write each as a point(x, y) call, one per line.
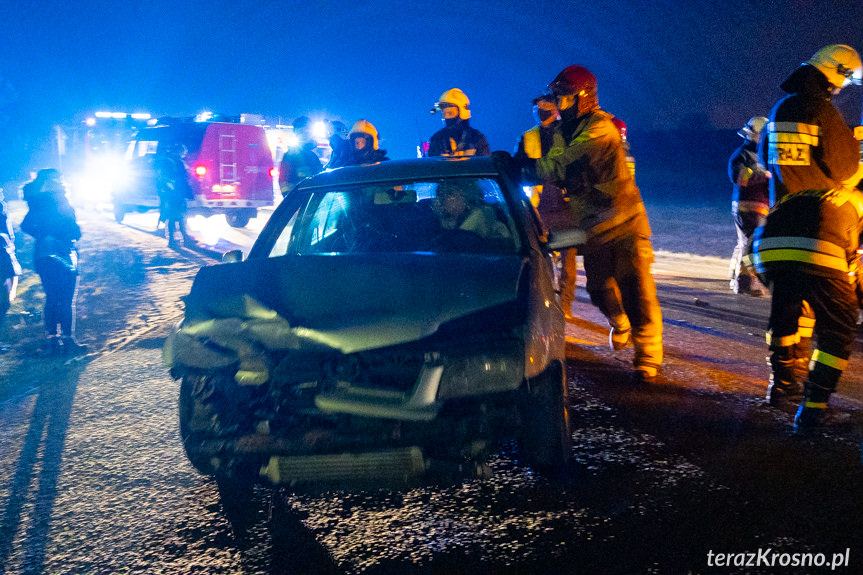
point(300, 161)
point(456, 138)
point(362, 146)
point(807, 248)
point(547, 198)
point(588, 160)
point(630, 160)
point(749, 202)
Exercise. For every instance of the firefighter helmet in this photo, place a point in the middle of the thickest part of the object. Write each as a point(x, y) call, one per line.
point(573, 81)
point(840, 63)
point(457, 98)
point(365, 128)
point(575, 90)
point(752, 130)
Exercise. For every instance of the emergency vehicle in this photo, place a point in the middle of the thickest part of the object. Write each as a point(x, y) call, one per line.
point(91, 152)
point(228, 163)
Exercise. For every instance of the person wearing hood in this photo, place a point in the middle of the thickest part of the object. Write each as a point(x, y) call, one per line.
point(51, 221)
point(750, 199)
point(588, 160)
point(362, 146)
point(456, 138)
point(807, 248)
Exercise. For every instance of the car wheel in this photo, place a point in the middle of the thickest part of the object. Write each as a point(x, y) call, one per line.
point(545, 434)
point(193, 421)
point(238, 219)
point(119, 212)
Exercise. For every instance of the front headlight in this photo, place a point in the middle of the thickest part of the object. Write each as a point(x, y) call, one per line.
point(492, 370)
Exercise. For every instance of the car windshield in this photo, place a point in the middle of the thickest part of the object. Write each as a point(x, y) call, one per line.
point(468, 215)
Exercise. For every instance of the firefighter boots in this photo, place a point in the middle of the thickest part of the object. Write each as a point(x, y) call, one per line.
point(783, 378)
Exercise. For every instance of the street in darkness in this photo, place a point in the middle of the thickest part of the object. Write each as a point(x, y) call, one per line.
point(692, 475)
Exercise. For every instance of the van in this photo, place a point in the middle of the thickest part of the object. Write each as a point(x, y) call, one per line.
point(229, 168)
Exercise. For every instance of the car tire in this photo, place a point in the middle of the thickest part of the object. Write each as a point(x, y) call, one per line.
point(546, 439)
point(239, 218)
point(190, 432)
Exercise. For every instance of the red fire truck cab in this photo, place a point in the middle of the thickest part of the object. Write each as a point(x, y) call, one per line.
point(229, 168)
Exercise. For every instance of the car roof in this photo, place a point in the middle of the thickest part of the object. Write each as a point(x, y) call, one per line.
point(417, 168)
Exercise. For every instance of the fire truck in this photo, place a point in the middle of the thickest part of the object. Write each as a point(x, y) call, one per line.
point(228, 163)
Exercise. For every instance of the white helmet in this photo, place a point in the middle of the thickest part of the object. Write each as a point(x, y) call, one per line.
point(840, 63)
point(752, 129)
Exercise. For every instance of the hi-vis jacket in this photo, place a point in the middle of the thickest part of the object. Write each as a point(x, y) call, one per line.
point(458, 139)
point(588, 160)
point(816, 218)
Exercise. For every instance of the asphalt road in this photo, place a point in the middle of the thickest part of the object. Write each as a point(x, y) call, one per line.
point(691, 475)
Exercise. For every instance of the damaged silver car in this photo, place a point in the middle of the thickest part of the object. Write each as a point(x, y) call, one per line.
point(392, 322)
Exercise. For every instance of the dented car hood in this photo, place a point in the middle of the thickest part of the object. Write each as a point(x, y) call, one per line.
point(359, 301)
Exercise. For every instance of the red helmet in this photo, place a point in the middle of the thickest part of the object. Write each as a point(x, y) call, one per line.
point(621, 127)
point(573, 80)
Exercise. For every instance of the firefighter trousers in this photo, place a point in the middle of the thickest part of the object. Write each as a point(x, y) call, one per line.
point(833, 302)
point(621, 285)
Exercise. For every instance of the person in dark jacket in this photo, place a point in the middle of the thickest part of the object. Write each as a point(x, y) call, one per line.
point(174, 190)
point(807, 248)
point(588, 160)
point(750, 199)
point(363, 146)
point(51, 221)
point(456, 138)
point(10, 269)
point(300, 161)
point(339, 143)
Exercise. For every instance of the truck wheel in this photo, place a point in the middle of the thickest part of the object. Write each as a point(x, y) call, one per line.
point(119, 212)
point(240, 218)
point(545, 434)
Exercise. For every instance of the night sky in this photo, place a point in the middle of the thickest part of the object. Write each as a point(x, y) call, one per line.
point(660, 64)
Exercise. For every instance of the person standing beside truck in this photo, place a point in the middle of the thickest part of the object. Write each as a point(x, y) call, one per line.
point(174, 190)
point(300, 161)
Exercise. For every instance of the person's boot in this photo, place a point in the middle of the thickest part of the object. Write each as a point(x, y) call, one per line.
point(783, 380)
point(813, 414)
point(72, 347)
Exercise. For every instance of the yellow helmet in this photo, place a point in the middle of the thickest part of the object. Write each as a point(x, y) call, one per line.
point(840, 63)
point(365, 127)
point(457, 98)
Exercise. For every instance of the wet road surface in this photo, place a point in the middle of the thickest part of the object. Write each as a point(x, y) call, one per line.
point(93, 478)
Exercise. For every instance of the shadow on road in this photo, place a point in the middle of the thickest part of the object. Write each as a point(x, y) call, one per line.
point(40, 460)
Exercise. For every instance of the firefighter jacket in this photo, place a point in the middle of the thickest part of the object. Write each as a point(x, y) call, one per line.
point(751, 193)
point(458, 139)
point(816, 219)
point(297, 165)
point(588, 160)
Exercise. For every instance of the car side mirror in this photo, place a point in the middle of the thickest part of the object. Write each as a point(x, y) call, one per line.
point(232, 256)
point(562, 239)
